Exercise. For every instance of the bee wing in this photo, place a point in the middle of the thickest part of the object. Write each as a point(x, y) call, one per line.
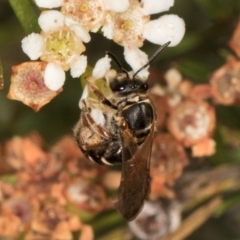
point(135, 180)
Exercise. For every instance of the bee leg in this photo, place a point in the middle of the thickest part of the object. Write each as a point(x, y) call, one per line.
point(98, 93)
point(92, 139)
point(89, 122)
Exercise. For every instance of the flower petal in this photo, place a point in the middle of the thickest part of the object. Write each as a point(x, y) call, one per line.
point(173, 78)
point(116, 5)
point(79, 66)
point(51, 20)
point(164, 29)
point(101, 67)
point(136, 59)
point(84, 96)
point(54, 76)
point(108, 28)
point(32, 45)
point(49, 3)
point(78, 30)
point(156, 6)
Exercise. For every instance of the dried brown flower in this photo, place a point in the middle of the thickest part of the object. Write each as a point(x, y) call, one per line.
point(53, 221)
point(225, 83)
point(191, 121)
point(167, 163)
point(57, 192)
point(74, 160)
point(10, 225)
point(20, 206)
point(201, 92)
point(156, 219)
point(24, 154)
point(86, 196)
point(13, 153)
point(6, 190)
point(27, 85)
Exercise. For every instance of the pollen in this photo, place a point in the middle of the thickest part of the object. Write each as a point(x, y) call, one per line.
point(128, 24)
point(62, 47)
point(84, 7)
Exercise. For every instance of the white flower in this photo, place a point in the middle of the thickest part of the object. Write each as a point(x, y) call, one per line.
point(116, 5)
point(136, 59)
point(164, 29)
point(54, 76)
point(101, 67)
point(49, 3)
point(59, 45)
point(125, 28)
point(33, 45)
point(79, 66)
point(131, 27)
point(156, 6)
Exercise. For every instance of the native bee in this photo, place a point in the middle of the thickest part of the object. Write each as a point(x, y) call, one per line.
point(119, 128)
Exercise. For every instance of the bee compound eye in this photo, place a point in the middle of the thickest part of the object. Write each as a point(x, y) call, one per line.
point(145, 86)
point(117, 86)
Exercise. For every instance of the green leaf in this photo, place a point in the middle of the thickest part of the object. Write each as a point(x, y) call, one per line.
point(227, 204)
point(26, 15)
point(106, 221)
point(220, 156)
point(195, 70)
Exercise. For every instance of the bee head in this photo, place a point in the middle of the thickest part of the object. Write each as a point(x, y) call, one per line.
point(124, 85)
point(123, 82)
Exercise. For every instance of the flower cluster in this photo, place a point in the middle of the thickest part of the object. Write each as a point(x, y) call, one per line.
point(186, 118)
point(49, 194)
point(60, 44)
point(48, 190)
point(185, 113)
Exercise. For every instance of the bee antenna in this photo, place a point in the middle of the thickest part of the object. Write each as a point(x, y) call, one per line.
point(117, 62)
point(152, 58)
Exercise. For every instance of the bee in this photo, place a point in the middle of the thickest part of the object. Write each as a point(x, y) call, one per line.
point(119, 128)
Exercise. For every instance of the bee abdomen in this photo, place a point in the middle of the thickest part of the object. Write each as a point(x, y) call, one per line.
point(139, 117)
